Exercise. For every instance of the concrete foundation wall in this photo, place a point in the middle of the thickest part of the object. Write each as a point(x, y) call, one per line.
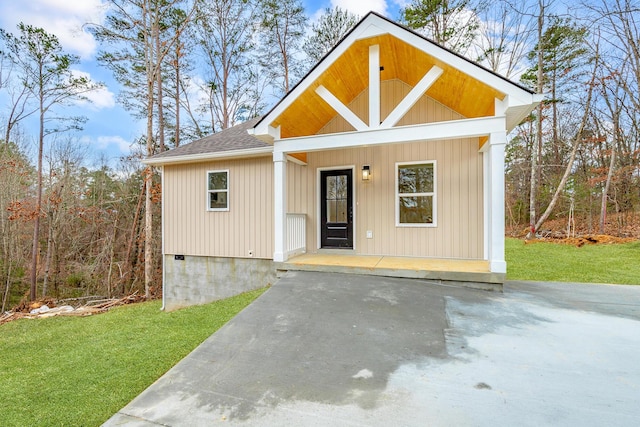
point(199, 280)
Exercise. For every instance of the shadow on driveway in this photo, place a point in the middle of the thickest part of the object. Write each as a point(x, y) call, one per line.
point(335, 349)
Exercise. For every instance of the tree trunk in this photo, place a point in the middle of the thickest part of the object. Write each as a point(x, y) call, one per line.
point(111, 255)
point(132, 237)
point(605, 192)
point(36, 223)
point(563, 181)
point(148, 173)
point(148, 234)
point(47, 261)
point(576, 143)
point(177, 100)
point(537, 146)
point(159, 88)
point(603, 205)
point(557, 156)
point(5, 296)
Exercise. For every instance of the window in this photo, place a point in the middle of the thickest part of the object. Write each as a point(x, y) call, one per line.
point(218, 190)
point(416, 194)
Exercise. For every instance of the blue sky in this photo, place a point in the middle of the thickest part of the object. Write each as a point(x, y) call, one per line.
point(110, 130)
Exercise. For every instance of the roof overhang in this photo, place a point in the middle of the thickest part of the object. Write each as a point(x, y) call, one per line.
point(203, 157)
point(465, 86)
point(454, 129)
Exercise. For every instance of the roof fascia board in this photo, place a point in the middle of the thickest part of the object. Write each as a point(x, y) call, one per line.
point(374, 25)
point(454, 129)
point(201, 157)
point(516, 114)
point(518, 95)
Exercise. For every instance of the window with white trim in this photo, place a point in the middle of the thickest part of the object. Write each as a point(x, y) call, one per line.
point(416, 194)
point(218, 190)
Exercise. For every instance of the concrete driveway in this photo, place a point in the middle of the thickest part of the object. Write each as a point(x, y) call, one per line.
point(323, 349)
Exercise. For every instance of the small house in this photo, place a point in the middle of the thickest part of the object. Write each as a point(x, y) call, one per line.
point(386, 158)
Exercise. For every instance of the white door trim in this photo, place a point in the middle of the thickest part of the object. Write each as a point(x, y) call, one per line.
point(317, 200)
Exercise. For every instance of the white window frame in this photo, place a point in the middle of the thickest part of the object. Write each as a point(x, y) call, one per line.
point(209, 208)
point(433, 194)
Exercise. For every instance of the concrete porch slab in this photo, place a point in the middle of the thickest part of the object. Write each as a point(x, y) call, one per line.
point(467, 273)
point(450, 265)
point(359, 261)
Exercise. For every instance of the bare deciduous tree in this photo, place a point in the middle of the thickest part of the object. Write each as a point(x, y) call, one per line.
point(45, 70)
point(225, 35)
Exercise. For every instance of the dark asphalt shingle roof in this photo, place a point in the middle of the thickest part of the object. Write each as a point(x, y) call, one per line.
point(230, 139)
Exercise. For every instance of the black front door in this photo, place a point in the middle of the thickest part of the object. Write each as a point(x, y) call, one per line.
point(336, 208)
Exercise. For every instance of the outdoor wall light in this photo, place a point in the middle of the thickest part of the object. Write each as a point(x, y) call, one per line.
point(366, 173)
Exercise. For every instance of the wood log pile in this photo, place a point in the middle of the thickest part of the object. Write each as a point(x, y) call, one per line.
point(47, 307)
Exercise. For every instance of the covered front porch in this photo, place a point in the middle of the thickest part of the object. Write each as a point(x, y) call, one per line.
point(468, 273)
point(430, 130)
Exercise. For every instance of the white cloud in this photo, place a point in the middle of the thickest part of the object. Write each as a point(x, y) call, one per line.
point(100, 98)
point(123, 145)
point(401, 3)
point(362, 7)
point(64, 18)
point(108, 143)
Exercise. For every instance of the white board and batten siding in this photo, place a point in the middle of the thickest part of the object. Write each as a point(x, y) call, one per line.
point(244, 231)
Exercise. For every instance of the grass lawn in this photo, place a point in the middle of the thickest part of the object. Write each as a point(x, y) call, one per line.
point(602, 263)
point(78, 371)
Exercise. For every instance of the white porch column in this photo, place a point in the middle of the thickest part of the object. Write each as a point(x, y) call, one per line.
point(280, 206)
point(494, 201)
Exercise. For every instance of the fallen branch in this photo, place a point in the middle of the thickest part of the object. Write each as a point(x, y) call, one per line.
point(88, 309)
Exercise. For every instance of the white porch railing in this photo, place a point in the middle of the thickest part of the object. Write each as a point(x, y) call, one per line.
point(296, 234)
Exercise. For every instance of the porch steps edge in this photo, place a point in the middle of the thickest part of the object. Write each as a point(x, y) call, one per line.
point(474, 280)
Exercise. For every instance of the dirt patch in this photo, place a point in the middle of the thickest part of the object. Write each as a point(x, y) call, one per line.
point(625, 225)
point(591, 239)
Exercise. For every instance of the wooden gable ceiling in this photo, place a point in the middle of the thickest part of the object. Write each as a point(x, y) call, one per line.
point(348, 76)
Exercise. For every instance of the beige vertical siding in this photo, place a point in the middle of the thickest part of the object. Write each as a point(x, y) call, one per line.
point(459, 230)
point(248, 225)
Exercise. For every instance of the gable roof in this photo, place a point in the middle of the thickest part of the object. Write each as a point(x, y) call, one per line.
point(231, 142)
point(465, 86)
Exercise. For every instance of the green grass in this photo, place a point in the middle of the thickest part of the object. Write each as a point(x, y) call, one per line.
point(71, 371)
point(78, 371)
point(603, 263)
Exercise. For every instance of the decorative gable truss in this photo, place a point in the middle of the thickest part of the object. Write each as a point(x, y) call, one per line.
point(449, 79)
point(374, 97)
